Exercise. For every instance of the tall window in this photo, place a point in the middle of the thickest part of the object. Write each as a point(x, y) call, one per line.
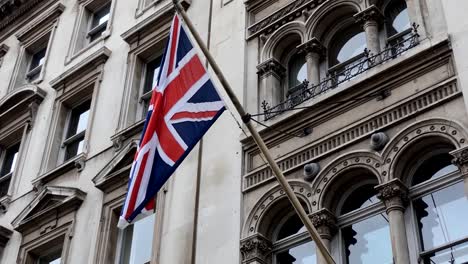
point(35, 66)
point(98, 23)
point(441, 212)
point(297, 70)
point(7, 164)
point(75, 135)
point(367, 239)
point(150, 76)
point(134, 241)
point(291, 243)
point(396, 18)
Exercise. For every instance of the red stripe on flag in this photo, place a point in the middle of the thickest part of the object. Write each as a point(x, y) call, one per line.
point(206, 114)
point(174, 39)
point(169, 144)
point(136, 186)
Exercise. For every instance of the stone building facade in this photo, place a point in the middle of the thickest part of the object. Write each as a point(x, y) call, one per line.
point(361, 102)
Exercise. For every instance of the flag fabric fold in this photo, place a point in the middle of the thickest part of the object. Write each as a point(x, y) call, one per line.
point(184, 105)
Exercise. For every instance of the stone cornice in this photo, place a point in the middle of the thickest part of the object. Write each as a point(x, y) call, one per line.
point(461, 160)
point(271, 66)
point(280, 17)
point(255, 248)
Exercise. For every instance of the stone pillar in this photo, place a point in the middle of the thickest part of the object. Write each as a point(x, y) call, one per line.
point(255, 249)
point(325, 223)
point(270, 74)
point(313, 51)
point(394, 195)
point(370, 19)
point(461, 160)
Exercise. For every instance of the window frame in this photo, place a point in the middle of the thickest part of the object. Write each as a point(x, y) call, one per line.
point(78, 135)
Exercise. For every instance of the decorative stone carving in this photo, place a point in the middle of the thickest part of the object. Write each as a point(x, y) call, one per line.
point(394, 194)
point(310, 171)
point(271, 66)
point(80, 163)
point(461, 160)
point(312, 46)
point(255, 249)
point(378, 141)
point(372, 13)
point(325, 222)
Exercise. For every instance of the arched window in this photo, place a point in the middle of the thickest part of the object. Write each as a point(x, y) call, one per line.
point(297, 70)
point(363, 224)
point(440, 209)
point(396, 18)
point(290, 239)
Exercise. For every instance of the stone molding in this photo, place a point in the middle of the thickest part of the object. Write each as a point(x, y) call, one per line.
point(5, 235)
point(271, 67)
point(325, 222)
point(312, 46)
point(461, 160)
point(255, 249)
point(370, 14)
point(394, 194)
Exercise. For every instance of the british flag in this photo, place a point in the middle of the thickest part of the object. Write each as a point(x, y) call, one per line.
point(184, 105)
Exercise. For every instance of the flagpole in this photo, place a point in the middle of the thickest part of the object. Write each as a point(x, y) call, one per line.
point(258, 139)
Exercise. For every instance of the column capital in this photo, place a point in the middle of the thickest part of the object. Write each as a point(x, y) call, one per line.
point(255, 248)
point(325, 223)
point(370, 14)
point(460, 159)
point(313, 46)
point(271, 66)
point(394, 194)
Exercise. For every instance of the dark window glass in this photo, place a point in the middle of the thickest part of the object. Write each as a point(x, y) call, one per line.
point(9, 162)
point(397, 19)
point(151, 78)
point(38, 58)
point(76, 130)
point(368, 241)
point(297, 70)
point(435, 167)
point(360, 198)
point(53, 258)
point(442, 216)
point(302, 254)
point(99, 22)
point(291, 227)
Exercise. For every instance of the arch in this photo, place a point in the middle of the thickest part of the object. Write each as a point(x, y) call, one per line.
point(256, 221)
point(289, 31)
point(320, 23)
point(19, 95)
point(359, 161)
point(436, 130)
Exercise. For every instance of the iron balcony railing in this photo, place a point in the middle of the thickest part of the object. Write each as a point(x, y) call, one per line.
point(396, 45)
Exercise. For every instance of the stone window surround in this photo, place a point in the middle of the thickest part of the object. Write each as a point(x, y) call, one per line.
point(40, 31)
point(52, 231)
point(79, 43)
point(112, 180)
point(145, 5)
point(16, 122)
point(76, 85)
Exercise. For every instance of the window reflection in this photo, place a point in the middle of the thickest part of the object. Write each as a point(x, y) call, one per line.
point(456, 255)
point(368, 241)
point(433, 168)
point(397, 18)
point(442, 216)
point(360, 198)
point(136, 241)
point(302, 254)
point(297, 70)
point(352, 48)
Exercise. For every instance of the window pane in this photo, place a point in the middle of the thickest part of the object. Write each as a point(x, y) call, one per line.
point(78, 119)
point(360, 198)
point(74, 149)
point(52, 258)
point(401, 21)
point(302, 254)
point(38, 58)
point(9, 161)
point(138, 240)
point(297, 70)
point(291, 227)
point(456, 255)
point(442, 216)
point(152, 71)
point(368, 241)
point(101, 16)
point(353, 47)
point(435, 167)
point(4, 185)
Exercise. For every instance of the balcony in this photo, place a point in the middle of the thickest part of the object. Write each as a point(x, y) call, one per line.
point(344, 72)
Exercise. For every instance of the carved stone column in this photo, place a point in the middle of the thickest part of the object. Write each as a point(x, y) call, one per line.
point(325, 223)
point(313, 51)
point(370, 19)
point(394, 194)
point(255, 249)
point(461, 160)
point(270, 73)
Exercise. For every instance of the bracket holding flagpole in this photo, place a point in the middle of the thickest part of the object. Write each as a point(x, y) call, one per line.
point(246, 117)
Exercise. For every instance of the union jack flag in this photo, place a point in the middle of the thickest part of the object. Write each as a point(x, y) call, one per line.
point(184, 105)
